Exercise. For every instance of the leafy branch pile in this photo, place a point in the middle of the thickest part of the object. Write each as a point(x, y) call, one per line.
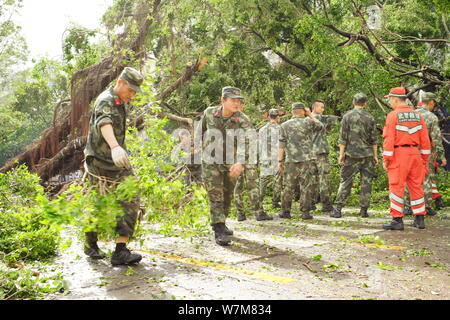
point(23, 237)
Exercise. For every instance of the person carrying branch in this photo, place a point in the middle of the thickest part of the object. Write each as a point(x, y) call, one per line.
point(107, 163)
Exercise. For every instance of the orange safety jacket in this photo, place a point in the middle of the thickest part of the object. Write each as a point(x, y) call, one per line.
point(405, 127)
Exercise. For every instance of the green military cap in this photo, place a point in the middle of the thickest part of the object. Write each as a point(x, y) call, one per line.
point(231, 92)
point(360, 98)
point(273, 112)
point(298, 105)
point(133, 77)
point(428, 96)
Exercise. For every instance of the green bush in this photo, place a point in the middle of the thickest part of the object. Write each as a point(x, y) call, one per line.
point(24, 283)
point(23, 236)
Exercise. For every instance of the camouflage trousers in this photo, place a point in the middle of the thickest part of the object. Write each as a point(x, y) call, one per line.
point(366, 168)
point(248, 180)
point(430, 177)
point(127, 222)
point(321, 183)
point(274, 181)
point(220, 188)
point(193, 174)
point(294, 174)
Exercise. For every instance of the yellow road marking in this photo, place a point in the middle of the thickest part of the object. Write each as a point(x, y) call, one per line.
point(380, 246)
point(221, 267)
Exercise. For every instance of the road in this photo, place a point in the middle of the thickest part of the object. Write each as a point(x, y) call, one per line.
point(324, 258)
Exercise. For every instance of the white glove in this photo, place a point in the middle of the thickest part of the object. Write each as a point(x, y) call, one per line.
point(120, 157)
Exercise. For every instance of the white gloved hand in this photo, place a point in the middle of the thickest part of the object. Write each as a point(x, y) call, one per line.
point(120, 157)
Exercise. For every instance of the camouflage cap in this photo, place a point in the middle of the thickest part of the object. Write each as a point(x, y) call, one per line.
point(428, 96)
point(231, 92)
point(133, 77)
point(360, 98)
point(298, 105)
point(273, 112)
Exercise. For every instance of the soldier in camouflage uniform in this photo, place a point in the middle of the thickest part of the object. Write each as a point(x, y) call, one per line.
point(107, 160)
point(249, 179)
point(221, 163)
point(268, 152)
point(358, 153)
point(296, 140)
point(321, 149)
point(437, 151)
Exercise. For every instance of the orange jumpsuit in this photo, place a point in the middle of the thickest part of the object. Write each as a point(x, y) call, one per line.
point(406, 151)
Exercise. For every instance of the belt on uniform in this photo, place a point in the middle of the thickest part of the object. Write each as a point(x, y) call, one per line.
point(406, 145)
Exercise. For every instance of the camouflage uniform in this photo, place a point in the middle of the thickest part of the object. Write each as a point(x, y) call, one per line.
point(358, 134)
point(218, 183)
point(296, 140)
point(249, 179)
point(108, 109)
point(437, 152)
point(268, 161)
point(321, 148)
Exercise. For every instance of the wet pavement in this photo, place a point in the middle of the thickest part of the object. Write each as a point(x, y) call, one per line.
point(323, 258)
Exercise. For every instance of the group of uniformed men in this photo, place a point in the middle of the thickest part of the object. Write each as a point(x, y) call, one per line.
point(291, 156)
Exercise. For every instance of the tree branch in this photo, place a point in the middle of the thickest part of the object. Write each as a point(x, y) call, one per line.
point(282, 56)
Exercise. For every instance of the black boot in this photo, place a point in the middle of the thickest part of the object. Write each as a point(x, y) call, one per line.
point(122, 255)
point(419, 221)
point(395, 224)
point(228, 231)
point(241, 216)
point(363, 213)
point(220, 235)
point(91, 248)
point(408, 211)
point(261, 216)
point(284, 215)
point(336, 213)
point(306, 216)
point(439, 203)
point(327, 208)
point(430, 212)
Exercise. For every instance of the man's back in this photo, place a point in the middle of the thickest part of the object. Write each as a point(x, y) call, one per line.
point(358, 133)
point(296, 138)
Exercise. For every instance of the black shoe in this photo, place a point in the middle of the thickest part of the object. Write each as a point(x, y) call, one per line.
point(261, 216)
point(284, 215)
point(395, 224)
point(221, 237)
point(307, 216)
point(327, 208)
point(408, 211)
point(125, 256)
point(363, 213)
point(336, 213)
point(430, 212)
point(439, 203)
point(228, 231)
point(419, 222)
point(241, 217)
point(276, 205)
point(92, 250)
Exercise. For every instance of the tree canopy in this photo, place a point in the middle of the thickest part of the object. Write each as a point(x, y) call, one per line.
point(276, 51)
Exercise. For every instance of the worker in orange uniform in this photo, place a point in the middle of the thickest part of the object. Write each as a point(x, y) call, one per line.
point(406, 151)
